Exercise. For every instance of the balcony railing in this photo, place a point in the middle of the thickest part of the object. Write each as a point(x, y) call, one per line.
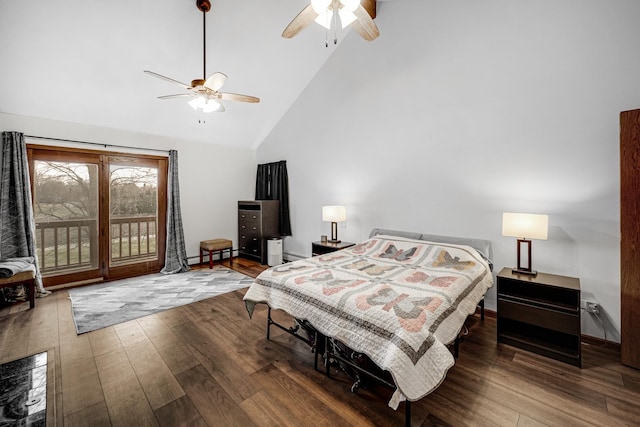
point(133, 239)
point(72, 245)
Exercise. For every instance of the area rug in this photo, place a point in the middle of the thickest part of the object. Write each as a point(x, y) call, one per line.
point(106, 304)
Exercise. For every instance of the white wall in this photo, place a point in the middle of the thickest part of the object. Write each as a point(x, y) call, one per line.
point(463, 110)
point(212, 177)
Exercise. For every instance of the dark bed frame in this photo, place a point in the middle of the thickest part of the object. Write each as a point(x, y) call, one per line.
point(329, 347)
point(322, 344)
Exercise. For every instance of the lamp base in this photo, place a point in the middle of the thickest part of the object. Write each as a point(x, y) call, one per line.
point(334, 233)
point(527, 272)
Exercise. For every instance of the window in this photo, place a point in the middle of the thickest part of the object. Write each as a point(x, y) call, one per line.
point(98, 215)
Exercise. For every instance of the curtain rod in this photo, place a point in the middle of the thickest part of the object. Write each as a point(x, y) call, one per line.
point(96, 143)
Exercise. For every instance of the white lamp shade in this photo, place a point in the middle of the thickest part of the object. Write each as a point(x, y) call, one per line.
point(319, 6)
point(526, 226)
point(346, 17)
point(350, 5)
point(334, 213)
point(325, 18)
point(198, 102)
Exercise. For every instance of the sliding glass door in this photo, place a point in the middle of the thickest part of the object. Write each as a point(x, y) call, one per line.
point(98, 216)
point(137, 197)
point(66, 213)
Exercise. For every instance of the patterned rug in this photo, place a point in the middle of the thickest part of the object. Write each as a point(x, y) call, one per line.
point(106, 304)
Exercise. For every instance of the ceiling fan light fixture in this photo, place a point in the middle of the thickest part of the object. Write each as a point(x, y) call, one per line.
point(350, 5)
point(320, 6)
point(211, 106)
point(346, 17)
point(324, 19)
point(205, 103)
point(198, 102)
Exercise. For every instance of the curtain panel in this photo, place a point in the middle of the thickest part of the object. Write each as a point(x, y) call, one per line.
point(17, 223)
point(176, 253)
point(272, 183)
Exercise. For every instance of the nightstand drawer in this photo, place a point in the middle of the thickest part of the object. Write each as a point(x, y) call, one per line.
point(319, 248)
point(535, 315)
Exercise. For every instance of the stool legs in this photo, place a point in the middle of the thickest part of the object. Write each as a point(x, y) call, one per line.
point(220, 253)
point(32, 293)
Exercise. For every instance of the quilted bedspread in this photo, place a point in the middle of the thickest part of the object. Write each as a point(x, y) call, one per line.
point(399, 301)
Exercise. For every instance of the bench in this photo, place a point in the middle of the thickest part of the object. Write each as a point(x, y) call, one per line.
point(24, 277)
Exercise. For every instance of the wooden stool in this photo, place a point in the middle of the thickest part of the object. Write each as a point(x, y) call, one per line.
point(24, 277)
point(216, 245)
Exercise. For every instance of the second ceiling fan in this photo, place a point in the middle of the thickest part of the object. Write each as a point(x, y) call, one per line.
point(205, 92)
point(358, 13)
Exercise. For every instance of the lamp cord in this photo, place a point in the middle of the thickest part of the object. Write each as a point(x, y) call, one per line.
point(604, 329)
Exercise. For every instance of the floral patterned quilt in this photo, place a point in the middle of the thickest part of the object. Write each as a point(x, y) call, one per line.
point(399, 301)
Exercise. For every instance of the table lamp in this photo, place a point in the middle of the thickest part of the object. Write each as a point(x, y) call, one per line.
point(525, 227)
point(335, 214)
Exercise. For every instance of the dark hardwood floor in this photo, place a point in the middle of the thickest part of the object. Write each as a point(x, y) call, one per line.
point(208, 364)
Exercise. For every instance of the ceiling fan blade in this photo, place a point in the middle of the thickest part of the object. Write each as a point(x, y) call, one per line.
point(216, 81)
point(170, 80)
point(238, 97)
point(300, 22)
point(370, 7)
point(179, 95)
point(365, 26)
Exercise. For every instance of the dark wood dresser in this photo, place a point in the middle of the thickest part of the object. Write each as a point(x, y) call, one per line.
point(258, 220)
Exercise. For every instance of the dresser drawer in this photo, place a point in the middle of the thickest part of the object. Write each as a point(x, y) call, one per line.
point(249, 243)
point(249, 225)
point(535, 315)
point(248, 216)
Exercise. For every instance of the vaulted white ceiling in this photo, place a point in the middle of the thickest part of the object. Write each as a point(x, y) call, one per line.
point(83, 62)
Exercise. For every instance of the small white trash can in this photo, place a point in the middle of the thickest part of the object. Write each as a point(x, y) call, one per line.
point(274, 251)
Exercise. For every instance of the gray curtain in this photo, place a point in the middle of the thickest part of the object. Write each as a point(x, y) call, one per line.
point(175, 260)
point(17, 224)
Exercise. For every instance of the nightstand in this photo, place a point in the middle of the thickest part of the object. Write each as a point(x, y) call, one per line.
point(319, 248)
point(540, 314)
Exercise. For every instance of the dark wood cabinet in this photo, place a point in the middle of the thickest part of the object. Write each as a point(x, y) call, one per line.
point(319, 248)
point(630, 237)
point(540, 314)
point(258, 220)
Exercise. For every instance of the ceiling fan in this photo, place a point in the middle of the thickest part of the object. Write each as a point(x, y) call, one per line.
point(205, 92)
point(359, 13)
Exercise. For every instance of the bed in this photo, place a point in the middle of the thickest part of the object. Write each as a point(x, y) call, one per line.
point(400, 298)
